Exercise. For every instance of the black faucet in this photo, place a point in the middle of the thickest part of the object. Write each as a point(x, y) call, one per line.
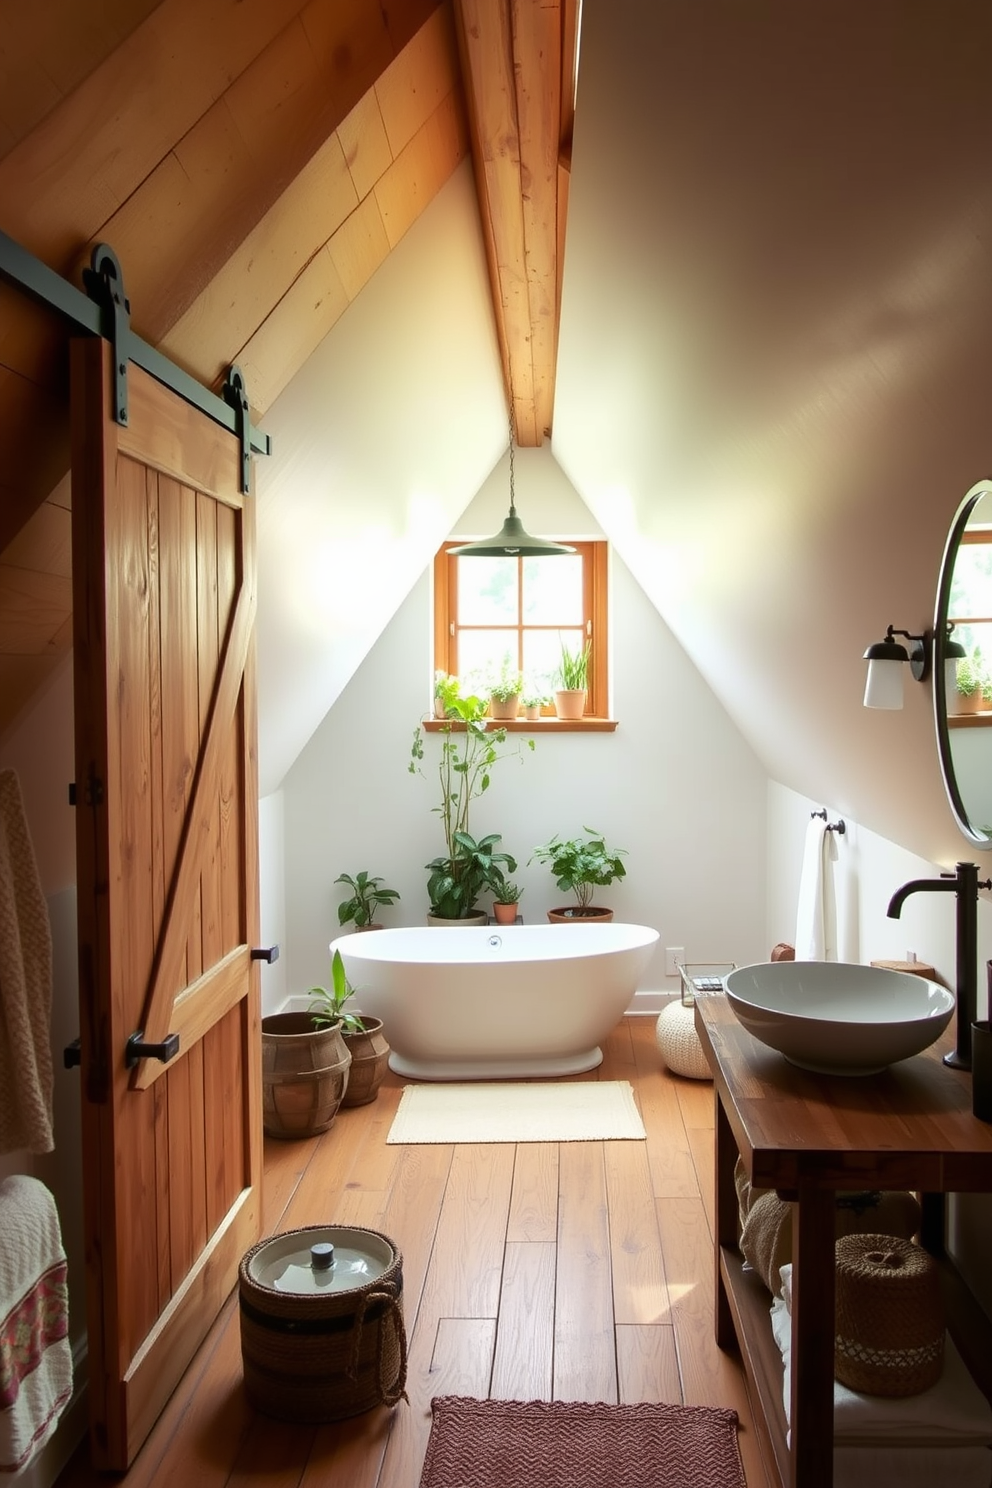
point(965, 884)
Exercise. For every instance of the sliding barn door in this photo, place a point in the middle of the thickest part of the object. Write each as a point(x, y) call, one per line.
point(166, 817)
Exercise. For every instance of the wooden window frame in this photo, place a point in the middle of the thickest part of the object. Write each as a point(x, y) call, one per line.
point(979, 537)
point(595, 600)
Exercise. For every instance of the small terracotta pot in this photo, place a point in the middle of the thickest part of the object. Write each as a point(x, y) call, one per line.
point(533, 713)
point(504, 708)
point(569, 915)
point(570, 702)
point(504, 914)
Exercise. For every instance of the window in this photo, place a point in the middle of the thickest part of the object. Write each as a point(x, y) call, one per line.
point(486, 609)
point(968, 609)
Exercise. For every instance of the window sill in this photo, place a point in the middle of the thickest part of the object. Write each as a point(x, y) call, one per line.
point(531, 726)
point(970, 720)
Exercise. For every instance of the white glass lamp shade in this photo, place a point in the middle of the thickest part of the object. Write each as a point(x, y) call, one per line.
point(884, 684)
point(950, 679)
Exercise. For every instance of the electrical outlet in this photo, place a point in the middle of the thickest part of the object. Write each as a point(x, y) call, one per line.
point(673, 956)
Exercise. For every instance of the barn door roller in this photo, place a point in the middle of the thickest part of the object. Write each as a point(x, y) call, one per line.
point(105, 311)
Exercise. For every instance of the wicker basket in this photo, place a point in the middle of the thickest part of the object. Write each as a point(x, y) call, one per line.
point(327, 1356)
point(304, 1075)
point(890, 1317)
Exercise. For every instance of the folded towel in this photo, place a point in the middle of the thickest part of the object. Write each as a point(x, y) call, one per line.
point(952, 1413)
point(816, 915)
point(35, 1357)
point(25, 985)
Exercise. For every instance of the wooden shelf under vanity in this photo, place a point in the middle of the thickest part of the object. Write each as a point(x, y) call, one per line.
point(809, 1136)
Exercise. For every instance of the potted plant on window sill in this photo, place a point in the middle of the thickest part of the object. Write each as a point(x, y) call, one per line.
point(366, 897)
point(580, 865)
point(532, 701)
point(504, 692)
point(505, 900)
point(573, 681)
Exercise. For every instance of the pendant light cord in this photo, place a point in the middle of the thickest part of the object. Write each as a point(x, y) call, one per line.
point(513, 509)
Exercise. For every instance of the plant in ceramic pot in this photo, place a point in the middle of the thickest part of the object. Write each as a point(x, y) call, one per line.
point(505, 900)
point(572, 678)
point(470, 749)
point(362, 1035)
point(367, 894)
point(305, 1061)
point(532, 700)
point(579, 866)
point(504, 690)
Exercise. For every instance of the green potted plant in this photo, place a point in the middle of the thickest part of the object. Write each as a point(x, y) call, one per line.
point(572, 678)
point(532, 700)
point(505, 900)
point(446, 689)
point(306, 1062)
point(579, 866)
point(362, 1035)
point(456, 881)
point(367, 894)
point(469, 751)
point(504, 690)
point(969, 680)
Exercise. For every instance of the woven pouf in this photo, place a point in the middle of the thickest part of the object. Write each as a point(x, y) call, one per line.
point(679, 1042)
point(890, 1317)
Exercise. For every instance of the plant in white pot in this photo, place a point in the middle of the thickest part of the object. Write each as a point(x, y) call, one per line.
point(367, 894)
point(572, 678)
point(469, 751)
point(580, 865)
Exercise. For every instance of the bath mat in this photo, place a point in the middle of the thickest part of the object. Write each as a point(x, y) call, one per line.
point(563, 1443)
point(504, 1111)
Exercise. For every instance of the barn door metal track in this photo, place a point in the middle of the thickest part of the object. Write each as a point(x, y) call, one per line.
point(105, 311)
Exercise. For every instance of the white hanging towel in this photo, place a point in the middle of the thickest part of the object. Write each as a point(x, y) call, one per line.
point(25, 984)
point(35, 1357)
point(816, 916)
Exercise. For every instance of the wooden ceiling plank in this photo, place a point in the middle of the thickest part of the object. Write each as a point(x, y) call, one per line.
point(44, 543)
point(294, 330)
point(359, 247)
point(415, 84)
point(363, 139)
point(32, 341)
point(47, 50)
point(33, 609)
point(260, 271)
point(419, 172)
point(569, 70)
point(86, 157)
point(34, 436)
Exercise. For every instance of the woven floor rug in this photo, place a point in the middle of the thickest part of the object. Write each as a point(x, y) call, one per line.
point(508, 1111)
point(570, 1444)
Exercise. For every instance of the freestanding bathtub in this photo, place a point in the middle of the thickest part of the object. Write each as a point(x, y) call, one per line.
point(496, 1002)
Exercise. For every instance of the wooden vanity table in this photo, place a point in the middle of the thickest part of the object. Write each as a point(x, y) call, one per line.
point(809, 1136)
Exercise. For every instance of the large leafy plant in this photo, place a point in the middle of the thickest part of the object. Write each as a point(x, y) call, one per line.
point(470, 748)
point(580, 864)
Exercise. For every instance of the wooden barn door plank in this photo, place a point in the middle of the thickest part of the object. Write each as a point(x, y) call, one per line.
point(164, 590)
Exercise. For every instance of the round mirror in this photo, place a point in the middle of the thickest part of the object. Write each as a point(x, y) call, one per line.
point(962, 673)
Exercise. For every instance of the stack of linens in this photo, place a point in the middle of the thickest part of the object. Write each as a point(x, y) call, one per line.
point(942, 1435)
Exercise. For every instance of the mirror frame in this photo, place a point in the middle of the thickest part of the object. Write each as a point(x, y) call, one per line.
point(975, 837)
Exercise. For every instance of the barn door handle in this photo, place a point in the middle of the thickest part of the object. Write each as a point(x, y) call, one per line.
point(72, 1054)
point(136, 1048)
point(265, 953)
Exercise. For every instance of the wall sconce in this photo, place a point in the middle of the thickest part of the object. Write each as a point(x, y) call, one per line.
point(883, 687)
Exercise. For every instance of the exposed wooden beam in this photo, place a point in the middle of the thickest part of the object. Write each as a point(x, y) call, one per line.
point(518, 65)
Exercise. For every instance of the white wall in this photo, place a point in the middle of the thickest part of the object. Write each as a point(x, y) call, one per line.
point(874, 868)
point(675, 784)
point(272, 897)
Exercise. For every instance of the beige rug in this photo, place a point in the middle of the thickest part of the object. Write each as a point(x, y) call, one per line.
point(531, 1111)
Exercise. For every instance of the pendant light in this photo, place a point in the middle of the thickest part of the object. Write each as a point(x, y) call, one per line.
point(512, 540)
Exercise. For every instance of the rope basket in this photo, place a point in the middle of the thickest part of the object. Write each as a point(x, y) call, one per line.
point(323, 1357)
point(889, 1316)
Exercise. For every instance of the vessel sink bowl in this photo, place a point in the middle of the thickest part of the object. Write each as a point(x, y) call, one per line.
point(836, 1018)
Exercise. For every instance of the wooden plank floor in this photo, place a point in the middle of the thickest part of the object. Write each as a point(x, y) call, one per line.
point(579, 1271)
